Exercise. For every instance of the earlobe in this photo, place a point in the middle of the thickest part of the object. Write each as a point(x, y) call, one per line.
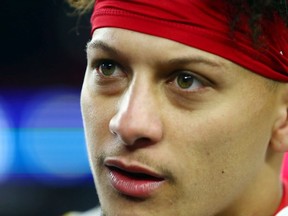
point(279, 139)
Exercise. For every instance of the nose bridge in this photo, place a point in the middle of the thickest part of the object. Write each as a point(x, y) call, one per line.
point(134, 101)
point(139, 99)
point(137, 116)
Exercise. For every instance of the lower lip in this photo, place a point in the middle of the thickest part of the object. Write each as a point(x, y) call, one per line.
point(133, 187)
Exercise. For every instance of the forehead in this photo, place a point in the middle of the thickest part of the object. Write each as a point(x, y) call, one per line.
point(141, 48)
point(125, 38)
point(120, 41)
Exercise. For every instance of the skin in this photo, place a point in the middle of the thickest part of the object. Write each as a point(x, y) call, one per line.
point(217, 142)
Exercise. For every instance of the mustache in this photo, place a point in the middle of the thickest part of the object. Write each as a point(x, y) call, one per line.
point(142, 159)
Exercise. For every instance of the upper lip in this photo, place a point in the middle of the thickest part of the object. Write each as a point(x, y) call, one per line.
point(132, 167)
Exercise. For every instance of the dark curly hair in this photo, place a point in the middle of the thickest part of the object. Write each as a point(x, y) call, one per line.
point(255, 10)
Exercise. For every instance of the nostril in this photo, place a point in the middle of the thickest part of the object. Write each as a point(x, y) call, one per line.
point(113, 125)
point(113, 132)
point(139, 143)
point(136, 126)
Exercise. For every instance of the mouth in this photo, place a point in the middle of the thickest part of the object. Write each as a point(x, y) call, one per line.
point(133, 180)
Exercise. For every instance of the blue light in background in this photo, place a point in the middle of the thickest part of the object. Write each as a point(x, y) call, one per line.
point(51, 136)
point(7, 144)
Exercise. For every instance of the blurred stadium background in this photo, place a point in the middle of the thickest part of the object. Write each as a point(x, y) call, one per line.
point(43, 160)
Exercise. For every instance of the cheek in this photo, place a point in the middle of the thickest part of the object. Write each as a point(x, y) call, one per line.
point(96, 113)
point(216, 150)
point(225, 139)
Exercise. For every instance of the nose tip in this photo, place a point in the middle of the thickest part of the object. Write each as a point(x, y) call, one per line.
point(133, 128)
point(136, 119)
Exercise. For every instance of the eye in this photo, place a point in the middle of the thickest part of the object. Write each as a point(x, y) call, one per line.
point(187, 81)
point(108, 68)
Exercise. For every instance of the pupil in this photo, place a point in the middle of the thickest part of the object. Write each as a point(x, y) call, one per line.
point(185, 80)
point(107, 69)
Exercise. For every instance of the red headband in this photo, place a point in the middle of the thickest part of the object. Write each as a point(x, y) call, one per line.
point(202, 25)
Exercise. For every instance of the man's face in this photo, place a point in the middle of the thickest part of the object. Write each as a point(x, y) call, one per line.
point(170, 129)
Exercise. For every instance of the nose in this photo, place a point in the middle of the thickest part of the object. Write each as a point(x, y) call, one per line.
point(137, 118)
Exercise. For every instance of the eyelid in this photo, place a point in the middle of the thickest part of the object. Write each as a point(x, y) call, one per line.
point(107, 84)
point(105, 53)
point(96, 63)
point(202, 80)
point(193, 74)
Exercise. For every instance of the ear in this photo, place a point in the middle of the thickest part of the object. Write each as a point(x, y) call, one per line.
point(279, 138)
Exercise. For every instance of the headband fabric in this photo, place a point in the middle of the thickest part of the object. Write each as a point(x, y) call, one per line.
point(202, 24)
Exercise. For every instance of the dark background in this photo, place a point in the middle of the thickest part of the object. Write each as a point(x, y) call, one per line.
point(42, 46)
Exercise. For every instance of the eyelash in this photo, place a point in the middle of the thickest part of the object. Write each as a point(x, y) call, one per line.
point(172, 81)
point(97, 66)
point(200, 82)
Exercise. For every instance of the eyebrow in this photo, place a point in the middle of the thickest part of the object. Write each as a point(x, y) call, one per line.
point(98, 44)
point(193, 59)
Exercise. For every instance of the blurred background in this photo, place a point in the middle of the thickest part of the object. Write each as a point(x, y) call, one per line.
point(44, 169)
point(43, 161)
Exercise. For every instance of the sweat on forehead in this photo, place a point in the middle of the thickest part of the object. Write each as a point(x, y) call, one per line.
point(202, 24)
